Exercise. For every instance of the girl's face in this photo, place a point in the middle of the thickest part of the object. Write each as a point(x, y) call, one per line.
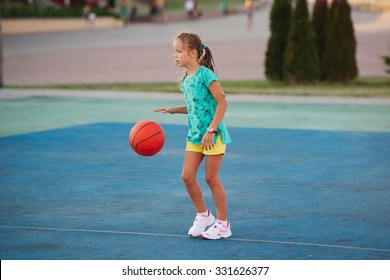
point(183, 56)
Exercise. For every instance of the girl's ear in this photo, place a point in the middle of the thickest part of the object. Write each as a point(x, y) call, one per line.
point(193, 53)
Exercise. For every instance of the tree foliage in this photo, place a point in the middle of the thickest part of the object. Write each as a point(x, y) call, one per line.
point(279, 26)
point(320, 21)
point(340, 47)
point(301, 58)
point(386, 60)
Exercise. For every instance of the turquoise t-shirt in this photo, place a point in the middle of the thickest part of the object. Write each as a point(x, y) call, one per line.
point(201, 106)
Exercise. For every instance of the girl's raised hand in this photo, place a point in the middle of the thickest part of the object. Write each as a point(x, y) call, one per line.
point(163, 110)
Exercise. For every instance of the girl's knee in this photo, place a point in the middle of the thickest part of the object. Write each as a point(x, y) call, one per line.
point(212, 180)
point(187, 178)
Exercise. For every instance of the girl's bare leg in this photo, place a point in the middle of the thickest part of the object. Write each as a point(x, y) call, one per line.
point(213, 164)
point(191, 164)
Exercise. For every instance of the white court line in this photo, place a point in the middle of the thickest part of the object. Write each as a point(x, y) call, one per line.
point(185, 236)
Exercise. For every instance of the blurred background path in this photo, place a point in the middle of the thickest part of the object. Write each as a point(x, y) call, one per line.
point(142, 52)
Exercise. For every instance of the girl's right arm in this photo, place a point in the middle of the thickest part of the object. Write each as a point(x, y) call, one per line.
point(172, 110)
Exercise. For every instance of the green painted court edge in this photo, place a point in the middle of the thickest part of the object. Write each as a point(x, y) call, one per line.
point(38, 113)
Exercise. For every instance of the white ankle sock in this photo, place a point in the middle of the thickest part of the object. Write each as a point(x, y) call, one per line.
point(205, 214)
point(224, 223)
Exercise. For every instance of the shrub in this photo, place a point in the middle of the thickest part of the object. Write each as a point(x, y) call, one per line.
point(34, 11)
point(301, 58)
point(386, 60)
point(340, 47)
point(280, 19)
point(319, 21)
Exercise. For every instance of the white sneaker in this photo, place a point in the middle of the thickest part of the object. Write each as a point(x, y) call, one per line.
point(217, 231)
point(200, 224)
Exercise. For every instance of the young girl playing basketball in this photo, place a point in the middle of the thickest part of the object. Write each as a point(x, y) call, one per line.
point(207, 136)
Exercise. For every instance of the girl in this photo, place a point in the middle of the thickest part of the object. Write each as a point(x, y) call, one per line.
point(207, 136)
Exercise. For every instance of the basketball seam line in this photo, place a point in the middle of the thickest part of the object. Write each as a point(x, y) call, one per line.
point(139, 131)
point(136, 147)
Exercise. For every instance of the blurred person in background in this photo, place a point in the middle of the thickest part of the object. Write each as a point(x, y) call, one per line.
point(224, 4)
point(249, 7)
point(157, 11)
point(87, 14)
point(192, 9)
point(124, 11)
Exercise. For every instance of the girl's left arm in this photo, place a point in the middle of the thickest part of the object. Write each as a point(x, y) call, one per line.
point(220, 97)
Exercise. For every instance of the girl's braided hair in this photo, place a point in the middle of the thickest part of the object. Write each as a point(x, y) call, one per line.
point(193, 41)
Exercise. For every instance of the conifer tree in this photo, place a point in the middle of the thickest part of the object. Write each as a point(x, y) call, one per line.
point(319, 20)
point(340, 49)
point(301, 58)
point(280, 19)
point(386, 60)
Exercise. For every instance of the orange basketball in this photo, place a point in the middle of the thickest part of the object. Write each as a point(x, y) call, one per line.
point(147, 138)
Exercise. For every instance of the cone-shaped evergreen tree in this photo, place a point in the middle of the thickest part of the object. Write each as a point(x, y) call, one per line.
point(319, 20)
point(386, 60)
point(340, 48)
point(301, 58)
point(280, 19)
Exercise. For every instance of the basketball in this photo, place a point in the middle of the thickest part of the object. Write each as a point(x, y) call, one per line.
point(147, 138)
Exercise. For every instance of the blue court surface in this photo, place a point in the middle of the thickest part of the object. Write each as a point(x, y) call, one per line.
point(81, 193)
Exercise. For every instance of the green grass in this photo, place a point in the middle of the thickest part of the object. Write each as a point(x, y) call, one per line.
point(178, 5)
point(174, 6)
point(363, 87)
point(18, 9)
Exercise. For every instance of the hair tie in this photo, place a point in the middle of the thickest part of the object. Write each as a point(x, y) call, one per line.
point(204, 46)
